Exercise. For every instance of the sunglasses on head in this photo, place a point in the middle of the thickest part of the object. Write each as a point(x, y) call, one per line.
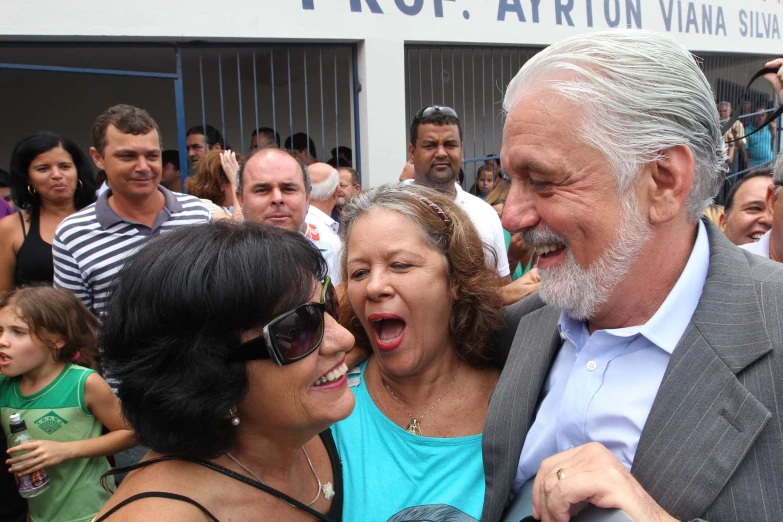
point(428, 111)
point(293, 335)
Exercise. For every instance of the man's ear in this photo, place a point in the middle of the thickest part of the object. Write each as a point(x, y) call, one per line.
point(411, 150)
point(96, 158)
point(772, 198)
point(722, 222)
point(667, 183)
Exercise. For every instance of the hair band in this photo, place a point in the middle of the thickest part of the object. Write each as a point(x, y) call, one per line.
point(435, 208)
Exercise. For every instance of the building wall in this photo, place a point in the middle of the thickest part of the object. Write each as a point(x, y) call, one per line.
point(381, 29)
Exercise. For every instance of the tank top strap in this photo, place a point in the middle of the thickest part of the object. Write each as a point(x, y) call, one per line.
point(155, 494)
point(35, 223)
point(21, 220)
point(223, 471)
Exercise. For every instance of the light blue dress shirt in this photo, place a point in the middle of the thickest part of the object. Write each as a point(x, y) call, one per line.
point(602, 386)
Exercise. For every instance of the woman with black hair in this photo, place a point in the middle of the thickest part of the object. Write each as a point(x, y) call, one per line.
point(230, 361)
point(50, 179)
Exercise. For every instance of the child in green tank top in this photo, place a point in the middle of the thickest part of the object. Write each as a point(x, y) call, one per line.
point(46, 339)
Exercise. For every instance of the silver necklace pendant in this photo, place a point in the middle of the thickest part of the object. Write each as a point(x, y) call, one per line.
point(414, 427)
point(328, 490)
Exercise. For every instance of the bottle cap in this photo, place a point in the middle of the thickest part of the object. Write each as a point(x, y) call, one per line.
point(17, 424)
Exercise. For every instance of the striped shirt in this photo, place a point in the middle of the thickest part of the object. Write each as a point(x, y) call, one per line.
point(91, 246)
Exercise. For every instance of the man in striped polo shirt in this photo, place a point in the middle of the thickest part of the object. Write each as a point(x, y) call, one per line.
point(91, 246)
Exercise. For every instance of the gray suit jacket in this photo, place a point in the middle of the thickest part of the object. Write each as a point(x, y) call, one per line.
point(712, 446)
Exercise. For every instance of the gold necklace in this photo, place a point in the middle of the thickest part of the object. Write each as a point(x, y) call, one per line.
point(414, 426)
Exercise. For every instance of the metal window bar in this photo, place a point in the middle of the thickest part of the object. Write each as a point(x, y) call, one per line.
point(321, 90)
point(239, 93)
point(203, 102)
point(255, 97)
point(222, 106)
point(196, 73)
point(307, 106)
point(290, 97)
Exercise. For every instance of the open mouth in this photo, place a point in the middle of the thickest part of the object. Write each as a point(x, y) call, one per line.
point(332, 375)
point(757, 236)
point(4, 359)
point(388, 330)
point(549, 250)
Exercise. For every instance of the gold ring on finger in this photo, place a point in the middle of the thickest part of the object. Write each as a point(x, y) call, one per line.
point(560, 474)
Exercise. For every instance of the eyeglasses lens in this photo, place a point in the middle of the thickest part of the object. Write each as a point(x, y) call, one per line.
point(297, 333)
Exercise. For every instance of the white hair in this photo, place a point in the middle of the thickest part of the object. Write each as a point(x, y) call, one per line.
point(641, 92)
point(324, 190)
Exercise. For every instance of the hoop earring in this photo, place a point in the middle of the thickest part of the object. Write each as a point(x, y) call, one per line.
point(81, 185)
point(31, 190)
point(232, 413)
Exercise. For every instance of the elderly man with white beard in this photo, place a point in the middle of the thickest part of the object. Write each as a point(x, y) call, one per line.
point(645, 374)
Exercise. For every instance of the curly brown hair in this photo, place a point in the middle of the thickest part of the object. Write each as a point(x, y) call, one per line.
point(448, 229)
point(209, 179)
point(53, 312)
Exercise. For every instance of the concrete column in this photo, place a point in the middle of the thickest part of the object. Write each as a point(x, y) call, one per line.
point(382, 110)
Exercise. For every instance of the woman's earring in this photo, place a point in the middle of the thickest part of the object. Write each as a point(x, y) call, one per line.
point(233, 414)
point(81, 185)
point(30, 190)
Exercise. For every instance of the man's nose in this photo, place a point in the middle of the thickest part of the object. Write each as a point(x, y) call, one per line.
point(520, 211)
point(142, 165)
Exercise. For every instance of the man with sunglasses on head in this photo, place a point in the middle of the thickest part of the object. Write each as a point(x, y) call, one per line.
point(436, 152)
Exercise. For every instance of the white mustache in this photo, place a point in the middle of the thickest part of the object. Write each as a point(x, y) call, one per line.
point(542, 235)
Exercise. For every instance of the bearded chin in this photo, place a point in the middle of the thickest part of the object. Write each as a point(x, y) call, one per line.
point(581, 291)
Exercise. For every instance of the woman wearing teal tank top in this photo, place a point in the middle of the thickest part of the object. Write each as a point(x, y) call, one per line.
point(43, 331)
point(426, 302)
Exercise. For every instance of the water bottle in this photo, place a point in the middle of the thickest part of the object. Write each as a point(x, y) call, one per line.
point(32, 484)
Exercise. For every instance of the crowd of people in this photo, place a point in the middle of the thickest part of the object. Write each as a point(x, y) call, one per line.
point(278, 342)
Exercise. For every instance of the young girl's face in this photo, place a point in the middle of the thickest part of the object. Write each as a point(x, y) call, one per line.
point(20, 352)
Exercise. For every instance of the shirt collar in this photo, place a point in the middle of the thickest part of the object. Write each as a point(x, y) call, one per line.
point(764, 243)
point(321, 215)
point(107, 217)
point(668, 324)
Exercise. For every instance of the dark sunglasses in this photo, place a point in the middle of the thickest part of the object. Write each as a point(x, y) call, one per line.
point(428, 111)
point(293, 335)
point(771, 115)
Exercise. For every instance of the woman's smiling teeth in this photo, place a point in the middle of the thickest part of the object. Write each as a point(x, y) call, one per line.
point(332, 375)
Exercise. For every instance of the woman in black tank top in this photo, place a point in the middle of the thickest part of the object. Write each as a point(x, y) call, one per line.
point(50, 178)
point(230, 365)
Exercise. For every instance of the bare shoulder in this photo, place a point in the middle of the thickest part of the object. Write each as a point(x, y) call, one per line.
point(11, 231)
point(10, 223)
point(169, 478)
point(155, 508)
